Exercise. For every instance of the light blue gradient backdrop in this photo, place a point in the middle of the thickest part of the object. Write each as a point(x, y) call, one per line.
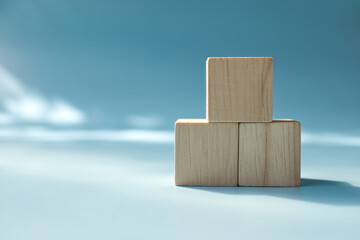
point(141, 65)
point(113, 58)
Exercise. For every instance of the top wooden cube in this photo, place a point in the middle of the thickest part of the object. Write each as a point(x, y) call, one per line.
point(239, 89)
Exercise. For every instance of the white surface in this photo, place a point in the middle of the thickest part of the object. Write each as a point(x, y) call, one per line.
point(126, 191)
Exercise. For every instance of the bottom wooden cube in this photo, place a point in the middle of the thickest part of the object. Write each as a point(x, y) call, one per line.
point(206, 154)
point(269, 153)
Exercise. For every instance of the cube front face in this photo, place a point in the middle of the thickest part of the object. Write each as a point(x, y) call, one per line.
point(269, 154)
point(238, 144)
point(239, 89)
point(206, 154)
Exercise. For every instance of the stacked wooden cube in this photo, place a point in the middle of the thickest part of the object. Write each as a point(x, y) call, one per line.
point(238, 144)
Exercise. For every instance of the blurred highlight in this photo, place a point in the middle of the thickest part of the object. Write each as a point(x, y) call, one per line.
point(330, 139)
point(45, 134)
point(19, 105)
point(147, 136)
point(145, 121)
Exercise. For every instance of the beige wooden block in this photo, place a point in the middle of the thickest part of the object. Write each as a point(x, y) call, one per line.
point(239, 89)
point(269, 153)
point(206, 154)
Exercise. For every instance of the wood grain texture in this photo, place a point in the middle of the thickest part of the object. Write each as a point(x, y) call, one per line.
point(269, 153)
point(239, 89)
point(206, 154)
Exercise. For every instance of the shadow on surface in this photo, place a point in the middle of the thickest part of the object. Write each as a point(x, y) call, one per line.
point(311, 190)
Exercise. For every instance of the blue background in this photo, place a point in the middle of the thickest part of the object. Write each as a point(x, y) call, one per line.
point(138, 66)
point(113, 58)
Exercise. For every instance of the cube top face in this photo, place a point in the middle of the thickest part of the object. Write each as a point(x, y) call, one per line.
point(206, 154)
point(269, 153)
point(191, 121)
point(239, 89)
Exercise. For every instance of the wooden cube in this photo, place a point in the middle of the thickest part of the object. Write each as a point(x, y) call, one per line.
point(206, 154)
point(269, 153)
point(239, 89)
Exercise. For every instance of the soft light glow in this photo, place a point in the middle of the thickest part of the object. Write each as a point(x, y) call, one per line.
point(45, 134)
point(140, 121)
point(24, 106)
point(330, 138)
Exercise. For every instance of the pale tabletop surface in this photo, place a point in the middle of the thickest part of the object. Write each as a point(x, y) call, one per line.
point(126, 191)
